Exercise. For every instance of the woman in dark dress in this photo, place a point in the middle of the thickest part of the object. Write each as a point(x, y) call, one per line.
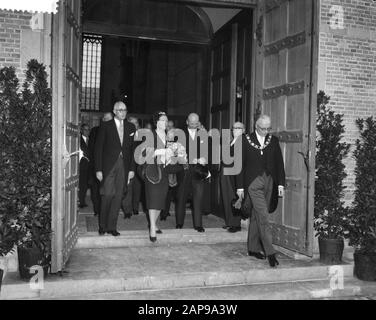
point(156, 192)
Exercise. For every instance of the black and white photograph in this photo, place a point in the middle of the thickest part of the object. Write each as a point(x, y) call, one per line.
point(188, 155)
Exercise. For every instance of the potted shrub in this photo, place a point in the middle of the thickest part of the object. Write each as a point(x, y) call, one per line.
point(330, 215)
point(8, 216)
point(29, 123)
point(362, 235)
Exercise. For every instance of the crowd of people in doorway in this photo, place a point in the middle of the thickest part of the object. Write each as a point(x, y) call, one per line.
point(111, 166)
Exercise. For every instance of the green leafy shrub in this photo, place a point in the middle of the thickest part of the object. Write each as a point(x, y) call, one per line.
point(26, 128)
point(331, 216)
point(363, 214)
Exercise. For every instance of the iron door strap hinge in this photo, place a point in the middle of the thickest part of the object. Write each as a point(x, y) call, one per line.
point(306, 159)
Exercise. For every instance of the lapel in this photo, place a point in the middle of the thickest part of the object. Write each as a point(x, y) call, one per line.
point(83, 143)
point(114, 130)
point(254, 139)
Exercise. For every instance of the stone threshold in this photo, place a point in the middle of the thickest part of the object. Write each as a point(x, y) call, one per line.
point(66, 288)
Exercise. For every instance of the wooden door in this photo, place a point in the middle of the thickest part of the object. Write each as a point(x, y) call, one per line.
point(66, 89)
point(230, 76)
point(286, 89)
point(244, 69)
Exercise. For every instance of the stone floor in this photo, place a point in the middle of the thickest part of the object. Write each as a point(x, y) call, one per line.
point(212, 268)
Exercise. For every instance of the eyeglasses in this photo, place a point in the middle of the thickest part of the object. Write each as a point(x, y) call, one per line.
point(264, 129)
point(240, 128)
point(121, 110)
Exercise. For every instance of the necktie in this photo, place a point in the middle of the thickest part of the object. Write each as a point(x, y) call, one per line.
point(121, 131)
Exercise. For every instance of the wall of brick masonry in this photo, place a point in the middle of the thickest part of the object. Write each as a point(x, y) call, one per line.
point(347, 65)
point(11, 25)
point(24, 36)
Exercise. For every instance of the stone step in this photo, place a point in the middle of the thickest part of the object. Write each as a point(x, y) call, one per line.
point(110, 270)
point(298, 290)
point(140, 238)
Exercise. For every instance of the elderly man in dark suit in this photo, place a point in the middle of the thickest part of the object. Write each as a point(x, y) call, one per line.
point(190, 181)
point(114, 165)
point(262, 179)
point(131, 201)
point(227, 182)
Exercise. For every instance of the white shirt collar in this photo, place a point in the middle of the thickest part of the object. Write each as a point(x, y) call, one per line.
point(192, 133)
point(260, 139)
point(118, 122)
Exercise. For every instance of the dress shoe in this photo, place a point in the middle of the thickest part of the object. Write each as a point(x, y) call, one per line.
point(179, 226)
point(153, 239)
point(273, 262)
point(257, 255)
point(234, 229)
point(200, 229)
point(114, 233)
point(127, 215)
point(83, 206)
point(101, 232)
point(135, 212)
point(225, 227)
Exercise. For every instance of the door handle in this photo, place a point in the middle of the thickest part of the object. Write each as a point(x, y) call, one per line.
point(66, 157)
point(306, 159)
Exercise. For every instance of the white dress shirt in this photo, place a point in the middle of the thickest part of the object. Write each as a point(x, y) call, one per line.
point(192, 133)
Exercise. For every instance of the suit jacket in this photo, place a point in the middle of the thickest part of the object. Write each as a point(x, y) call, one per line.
point(198, 142)
point(254, 164)
point(108, 147)
point(92, 139)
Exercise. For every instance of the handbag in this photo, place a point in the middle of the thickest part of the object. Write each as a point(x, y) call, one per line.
point(242, 208)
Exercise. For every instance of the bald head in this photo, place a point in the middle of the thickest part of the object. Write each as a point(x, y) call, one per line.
point(193, 121)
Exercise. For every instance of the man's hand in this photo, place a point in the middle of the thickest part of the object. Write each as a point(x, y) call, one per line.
point(99, 175)
point(130, 176)
point(281, 191)
point(240, 193)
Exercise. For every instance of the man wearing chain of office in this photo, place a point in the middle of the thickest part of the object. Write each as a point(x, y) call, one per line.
point(262, 179)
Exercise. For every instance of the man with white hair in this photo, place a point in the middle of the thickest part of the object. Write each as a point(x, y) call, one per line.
point(262, 179)
point(114, 165)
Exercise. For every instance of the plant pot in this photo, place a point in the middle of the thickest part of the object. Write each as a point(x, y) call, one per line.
point(1, 277)
point(365, 266)
point(331, 250)
point(29, 257)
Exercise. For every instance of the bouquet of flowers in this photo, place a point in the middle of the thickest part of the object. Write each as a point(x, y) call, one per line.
point(176, 153)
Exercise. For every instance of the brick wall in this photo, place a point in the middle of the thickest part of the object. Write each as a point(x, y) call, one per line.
point(11, 25)
point(347, 65)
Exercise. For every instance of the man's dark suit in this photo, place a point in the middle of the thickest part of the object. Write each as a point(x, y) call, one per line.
point(187, 184)
point(228, 191)
point(93, 181)
point(260, 176)
point(114, 160)
point(84, 171)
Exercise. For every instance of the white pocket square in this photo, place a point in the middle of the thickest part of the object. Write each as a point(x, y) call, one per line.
point(201, 141)
point(132, 134)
